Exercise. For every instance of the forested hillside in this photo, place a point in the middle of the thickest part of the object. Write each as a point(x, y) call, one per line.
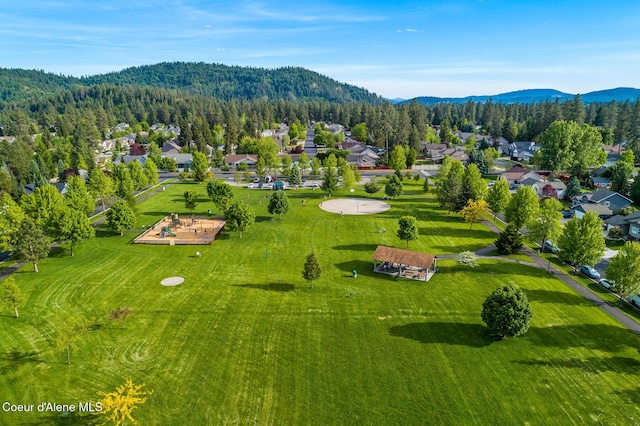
point(219, 81)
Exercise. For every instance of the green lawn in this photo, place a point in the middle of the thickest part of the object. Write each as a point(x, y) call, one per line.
point(244, 340)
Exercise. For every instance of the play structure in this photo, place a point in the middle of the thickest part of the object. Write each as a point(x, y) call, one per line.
point(172, 230)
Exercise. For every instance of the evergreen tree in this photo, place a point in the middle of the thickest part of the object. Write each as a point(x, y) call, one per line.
point(311, 271)
point(393, 187)
point(509, 241)
point(573, 188)
point(329, 181)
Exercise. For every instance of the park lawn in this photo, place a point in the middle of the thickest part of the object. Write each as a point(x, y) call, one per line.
point(245, 340)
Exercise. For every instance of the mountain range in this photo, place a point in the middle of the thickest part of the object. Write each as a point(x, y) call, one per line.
point(620, 94)
point(248, 83)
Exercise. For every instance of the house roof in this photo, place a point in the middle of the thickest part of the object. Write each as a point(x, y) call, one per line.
point(404, 257)
point(555, 184)
point(514, 173)
point(616, 220)
point(601, 209)
point(234, 158)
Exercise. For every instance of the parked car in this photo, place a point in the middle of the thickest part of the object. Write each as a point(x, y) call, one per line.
point(256, 180)
point(567, 214)
point(251, 186)
point(608, 284)
point(635, 301)
point(590, 272)
point(315, 185)
point(550, 247)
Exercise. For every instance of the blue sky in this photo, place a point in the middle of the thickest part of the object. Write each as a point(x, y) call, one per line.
point(394, 48)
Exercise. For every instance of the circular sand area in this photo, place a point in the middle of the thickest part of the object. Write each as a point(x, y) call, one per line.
point(171, 281)
point(354, 206)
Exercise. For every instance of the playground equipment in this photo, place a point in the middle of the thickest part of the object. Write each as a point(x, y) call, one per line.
point(167, 230)
point(174, 220)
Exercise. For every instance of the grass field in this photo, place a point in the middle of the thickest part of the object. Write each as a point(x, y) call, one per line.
point(245, 341)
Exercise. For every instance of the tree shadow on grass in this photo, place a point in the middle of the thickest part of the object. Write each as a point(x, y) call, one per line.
point(548, 296)
point(266, 219)
point(364, 268)
point(596, 365)
point(15, 359)
point(357, 247)
point(631, 396)
point(447, 333)
point(592, 336)
point(68, 419)
point(281, 287)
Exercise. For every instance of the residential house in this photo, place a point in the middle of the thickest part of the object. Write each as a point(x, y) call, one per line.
point(522, 151)
point(610, 203)
point(613, 153)
point(556, 187)
point(10, 139)
point(517, 174)
point(126, 159)
point(630, 225)
point(183, 161)
point(600, 182)
point(437, 152)
point(232, 160)
point(171, 147)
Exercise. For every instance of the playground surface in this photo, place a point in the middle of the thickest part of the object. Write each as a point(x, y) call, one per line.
point(173, 231)
point(354, 206)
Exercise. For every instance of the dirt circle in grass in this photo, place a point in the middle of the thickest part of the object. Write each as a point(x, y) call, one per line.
point(172, 281)
point(353, 206)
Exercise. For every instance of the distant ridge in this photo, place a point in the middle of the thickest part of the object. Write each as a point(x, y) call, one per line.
point(620, 94)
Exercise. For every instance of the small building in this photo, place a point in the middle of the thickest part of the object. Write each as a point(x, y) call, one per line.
point(404, 263)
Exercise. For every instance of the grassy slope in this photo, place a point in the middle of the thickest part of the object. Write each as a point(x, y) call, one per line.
point(245, 340)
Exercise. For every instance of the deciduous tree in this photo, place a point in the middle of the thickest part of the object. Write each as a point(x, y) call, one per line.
point(398, 159)
point(78, 196)
point(118, 405)
point(239, 216)
point(279, 204)
point(523, 207)
point(624, 269)
point(74, 227)
point(220, 193)
point(151, 171)
point(507, 311)
point(10, 294)
point(467, 258)
point(498, 197)
point(120, 217)
point(68, 327)
point(199, 166)
point(11, 217)
point(138, 177)
point(100, 186)
point(372, 186)
point(582, 242)
point(190, 200)
point(546, 224)
point(474, 211)
point(408, 229)
point(31, 243)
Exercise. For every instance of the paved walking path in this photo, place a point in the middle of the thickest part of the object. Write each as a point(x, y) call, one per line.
point(539, 262)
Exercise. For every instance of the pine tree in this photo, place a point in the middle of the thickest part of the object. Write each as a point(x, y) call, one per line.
point(509, 241)
point(311, 271)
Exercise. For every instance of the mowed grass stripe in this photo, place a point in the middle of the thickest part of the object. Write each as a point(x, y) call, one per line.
point(244, 340)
